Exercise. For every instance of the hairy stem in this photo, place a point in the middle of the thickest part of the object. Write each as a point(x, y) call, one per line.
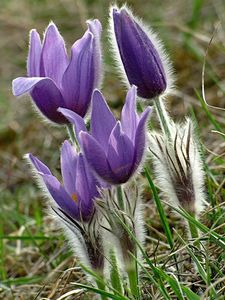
point(195, 236)
point(132, 272)
point(120, 197)
point(163, 117)
point(72, 135)
point(128, 248)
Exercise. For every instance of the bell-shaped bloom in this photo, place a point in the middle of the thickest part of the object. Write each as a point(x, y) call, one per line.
point(114, 149)
point(80, 187)
point(56, 81)
point(139, 54)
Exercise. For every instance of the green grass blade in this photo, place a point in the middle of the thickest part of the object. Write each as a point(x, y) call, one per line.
point(196, 10)
point(189, 294)
point(198, 264)
point(209, 114)
point(151, 265)
point(217, 238)
point(159, 274)
point(159, 206)
point(100, 292)
point(23, 280)
point(162, 214)
point(174, 284)
point(2, 256)
point(160, 285)
point(99, 279)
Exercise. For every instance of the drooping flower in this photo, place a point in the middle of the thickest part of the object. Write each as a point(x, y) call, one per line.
point(56, 81)
point(114, 149)
point(139, 54)
point(178, 167)
point(76, 196)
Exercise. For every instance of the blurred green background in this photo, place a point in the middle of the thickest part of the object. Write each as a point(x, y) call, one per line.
point(184, 26)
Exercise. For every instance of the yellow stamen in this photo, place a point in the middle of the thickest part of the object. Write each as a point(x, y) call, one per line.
point(74, 197)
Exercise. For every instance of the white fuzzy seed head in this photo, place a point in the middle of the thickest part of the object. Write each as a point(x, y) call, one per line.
point(178, 166)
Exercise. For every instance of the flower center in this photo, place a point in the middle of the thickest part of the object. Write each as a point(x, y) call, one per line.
point(74, 197)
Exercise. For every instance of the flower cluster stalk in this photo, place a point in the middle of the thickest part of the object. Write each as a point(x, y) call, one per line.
point(132, 272)
point(72, 135)
point(129, 250)
point(163, 116)
point(195, 235)
point(120, 197)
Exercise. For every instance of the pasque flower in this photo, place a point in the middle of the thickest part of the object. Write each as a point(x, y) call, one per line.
point(178, 166)
point(76, 196)
point(114, 149)
point(139, 53)
point(56, 81)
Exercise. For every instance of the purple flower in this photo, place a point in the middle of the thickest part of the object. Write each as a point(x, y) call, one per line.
point(76, 196)
point(114, 149)
point(56, 81)
point(139, 53)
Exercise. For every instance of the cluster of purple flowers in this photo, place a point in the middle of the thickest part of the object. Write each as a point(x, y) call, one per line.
point(64, 88)
point(103, 155)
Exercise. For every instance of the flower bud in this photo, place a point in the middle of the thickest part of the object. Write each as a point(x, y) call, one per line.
point(178, 167)
point(140, 54)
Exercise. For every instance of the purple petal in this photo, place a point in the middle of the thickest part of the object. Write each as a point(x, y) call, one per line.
point(102, 120)
point(95, 156)
point(93, 180)
point(45, 94)
point(140, 58)
point(34, 55)
point(75, 119)
point(57, 192)
point(140, 137)
point(85, 187)
point(120, 154)
point(22, 85)
point(95, 28)
point(129, 117)
point(39, 166)
point(54, 187)
point(53, 58)
point(69, 167)
point(61, 197)
point(78, 79)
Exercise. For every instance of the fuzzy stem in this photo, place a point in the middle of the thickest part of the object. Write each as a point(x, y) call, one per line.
point(120, 197)
point(129, 252)
point(128, 246)
point(194, 234)
point(132, 273)
point(72, 135)
point(163, 117)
